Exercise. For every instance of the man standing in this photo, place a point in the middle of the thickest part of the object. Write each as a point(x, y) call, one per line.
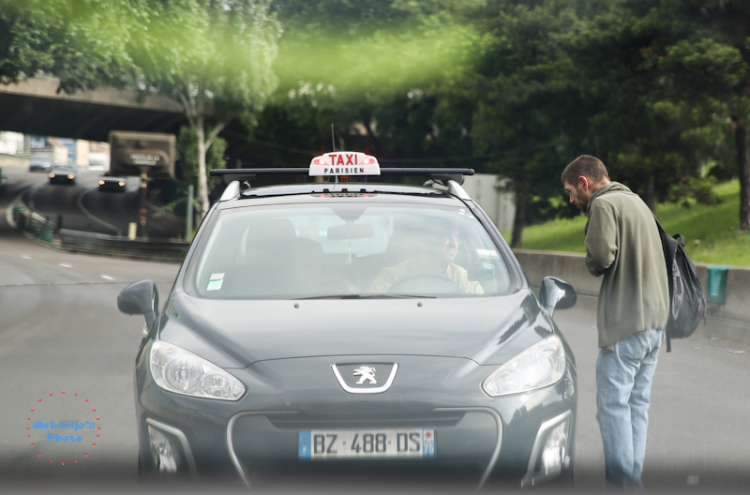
point(623, 244)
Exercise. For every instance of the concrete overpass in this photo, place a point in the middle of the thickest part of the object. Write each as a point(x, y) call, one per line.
point(35, 107)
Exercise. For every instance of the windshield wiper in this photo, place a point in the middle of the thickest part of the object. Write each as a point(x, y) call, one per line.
point(369, 296)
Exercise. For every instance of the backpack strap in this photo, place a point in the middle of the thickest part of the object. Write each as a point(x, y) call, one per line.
point(682, 242)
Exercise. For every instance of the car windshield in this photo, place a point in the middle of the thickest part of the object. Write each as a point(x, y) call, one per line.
point(348, 251)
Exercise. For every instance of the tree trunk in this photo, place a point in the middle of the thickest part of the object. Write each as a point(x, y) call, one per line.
point(203, 204)
point(372, 137)
point(741, 142)
point(519, 220)
point(649, 191)
point(200, 133)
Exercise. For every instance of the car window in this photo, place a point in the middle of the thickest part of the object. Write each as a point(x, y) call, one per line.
point(348, 250)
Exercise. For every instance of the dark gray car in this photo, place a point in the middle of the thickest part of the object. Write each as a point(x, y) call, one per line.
point(63, 174)
point(357, 328)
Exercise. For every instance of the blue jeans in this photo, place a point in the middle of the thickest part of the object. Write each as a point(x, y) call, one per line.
point(623, 394)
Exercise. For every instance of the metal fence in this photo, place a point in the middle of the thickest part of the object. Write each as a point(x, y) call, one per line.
point(151, 249)
point(93, 243)
point(33, 223)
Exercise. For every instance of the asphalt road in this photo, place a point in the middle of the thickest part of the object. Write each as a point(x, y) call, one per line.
point(61, 330)
point(84, 207)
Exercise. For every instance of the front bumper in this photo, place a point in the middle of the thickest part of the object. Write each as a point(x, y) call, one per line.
point(111, 187)
point(479, 440)
point(61, 179)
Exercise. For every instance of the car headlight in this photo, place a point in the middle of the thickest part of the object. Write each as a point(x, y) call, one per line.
point(180, 371)
point(540, 365)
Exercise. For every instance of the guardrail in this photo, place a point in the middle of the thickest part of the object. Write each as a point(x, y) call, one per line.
point(33, 223)
point(93, 243)
point(729, 321)
point(152, 249)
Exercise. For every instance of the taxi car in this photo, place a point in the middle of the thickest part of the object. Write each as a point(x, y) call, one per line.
point(324, 329)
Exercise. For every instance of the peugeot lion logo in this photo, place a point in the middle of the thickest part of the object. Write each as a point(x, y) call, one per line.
point(359, 378)
point(365, 373)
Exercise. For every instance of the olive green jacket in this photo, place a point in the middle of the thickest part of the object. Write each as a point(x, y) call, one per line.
point(623, 244)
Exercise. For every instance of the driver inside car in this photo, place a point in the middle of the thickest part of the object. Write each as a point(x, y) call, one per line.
point(438, 247)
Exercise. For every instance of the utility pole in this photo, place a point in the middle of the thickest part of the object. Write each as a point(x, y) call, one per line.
point(143, 204)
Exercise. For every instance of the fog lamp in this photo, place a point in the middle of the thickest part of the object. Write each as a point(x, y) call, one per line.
point(555, 452)
point(164, 454)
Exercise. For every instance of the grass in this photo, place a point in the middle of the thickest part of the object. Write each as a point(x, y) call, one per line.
point(711, 233)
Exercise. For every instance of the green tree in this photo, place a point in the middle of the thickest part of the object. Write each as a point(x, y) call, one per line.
point(710, 69)
point(661, 88)
point(377, 81)
point(214, 58)
point(614, 51)
point(82, 44)
point(525, 98)
point(187, 153)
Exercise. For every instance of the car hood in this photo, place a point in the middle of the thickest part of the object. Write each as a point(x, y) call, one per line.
point(487, 330)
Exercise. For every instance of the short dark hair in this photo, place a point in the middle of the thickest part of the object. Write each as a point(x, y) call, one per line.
point(587, 165)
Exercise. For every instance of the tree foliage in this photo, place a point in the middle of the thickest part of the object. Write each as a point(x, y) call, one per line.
point(214, 58)
point(659, 89)
point(81, 43)
point(211, 56)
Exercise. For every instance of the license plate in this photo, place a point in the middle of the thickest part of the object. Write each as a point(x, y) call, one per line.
point(342, 444)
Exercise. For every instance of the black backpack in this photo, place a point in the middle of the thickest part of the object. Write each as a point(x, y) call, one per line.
point(687, 302)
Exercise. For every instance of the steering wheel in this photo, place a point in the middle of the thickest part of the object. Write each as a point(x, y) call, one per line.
point(425, 283)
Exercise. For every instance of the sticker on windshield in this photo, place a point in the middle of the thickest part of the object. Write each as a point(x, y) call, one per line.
point(487, 253)
point(217, 279)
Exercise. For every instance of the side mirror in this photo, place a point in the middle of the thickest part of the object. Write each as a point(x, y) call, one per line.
point(555, 293)
point(140, 298)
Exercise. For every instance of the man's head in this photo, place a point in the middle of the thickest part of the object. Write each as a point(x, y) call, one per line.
point(440, 242)
point(582, 177)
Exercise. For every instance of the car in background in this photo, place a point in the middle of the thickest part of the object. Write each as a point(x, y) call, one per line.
point(36, 166)
point(63, 174)
point(353, 327)
point(114, 184)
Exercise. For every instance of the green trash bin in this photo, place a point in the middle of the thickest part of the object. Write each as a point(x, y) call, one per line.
point(717, 284)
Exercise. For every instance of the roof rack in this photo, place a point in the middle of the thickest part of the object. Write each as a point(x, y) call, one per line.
point(440, 174)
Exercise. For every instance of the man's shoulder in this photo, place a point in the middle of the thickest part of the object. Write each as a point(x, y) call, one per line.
point(626, 201)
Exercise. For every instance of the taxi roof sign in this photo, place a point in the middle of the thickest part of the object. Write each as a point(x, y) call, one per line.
point(344, 163)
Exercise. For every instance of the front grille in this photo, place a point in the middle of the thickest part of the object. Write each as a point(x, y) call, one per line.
point(266, 446)
point(311, 421)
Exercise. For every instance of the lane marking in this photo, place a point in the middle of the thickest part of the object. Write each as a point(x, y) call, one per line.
point(65, 265)
point(89, 215)
point(107, 277)
point(9, 216)
point(26, 257)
